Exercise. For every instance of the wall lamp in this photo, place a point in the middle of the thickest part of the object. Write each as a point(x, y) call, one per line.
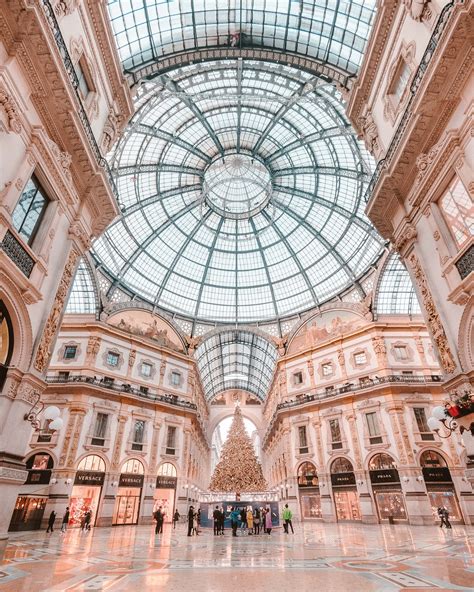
point(50, 414)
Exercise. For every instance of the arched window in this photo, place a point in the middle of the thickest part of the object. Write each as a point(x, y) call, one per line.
point(430, 458)
point(167, 470)
point(381, 461)
point(341, 465)
point(40, 462)
point(307, 475)
point(92, 463)
point(133, 467)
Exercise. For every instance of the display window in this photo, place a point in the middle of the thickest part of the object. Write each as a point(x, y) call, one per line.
point(164, 498)
point(347, 505)
point(127, 505)
point(445, 499)
point(83, 498)
point(28, 513)
point(310, 505)
point(391, 505)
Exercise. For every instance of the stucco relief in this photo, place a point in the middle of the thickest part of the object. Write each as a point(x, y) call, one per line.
point(418, 9)
point(111, 130)
point(11, 120)
point(43, 353)
point(145, 324)
point(432, 317)
point(370, 134)
point(93, 346)
point(378, 343)
point(65, 7)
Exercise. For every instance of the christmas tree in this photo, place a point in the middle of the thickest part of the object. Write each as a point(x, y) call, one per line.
point(238, 469)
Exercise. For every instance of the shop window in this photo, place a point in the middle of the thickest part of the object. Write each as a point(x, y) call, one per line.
point(401, 352)
point(70, 352)
point(92, 462)
point(341, 465)
point(381, 462)
point(430, 458)
point(420, 417)
point(297, 378)
point(113, 358)
point(100, 429)
point(29, 210)
point(146, 369)
point(373, 427)
point(302, 439)
point(171, 440)
point(175, 378)
point(138, 435)
point(360, 358)
point(307, 475)
point(335, 431)
point(40, 462)
point(457, 207)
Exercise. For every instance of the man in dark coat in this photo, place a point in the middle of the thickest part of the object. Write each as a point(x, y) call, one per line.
point(190, 520)
point(217, 520)
point(159, 517)
point(65, 520)
point(51, 519)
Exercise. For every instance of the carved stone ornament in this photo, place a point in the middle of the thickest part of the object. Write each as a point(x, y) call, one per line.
point(13, 123)
point(424, 161)
point(111, 130)
point(418, 9)
point(432, 317)
point(380, 349)
point(43, 353)
point(65, 7)
point(370, 134)
point(93, 346)
point(131, 358)
point(63, 159)
point(408, 235)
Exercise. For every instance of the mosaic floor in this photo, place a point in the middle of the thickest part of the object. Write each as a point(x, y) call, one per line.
point(328, 557)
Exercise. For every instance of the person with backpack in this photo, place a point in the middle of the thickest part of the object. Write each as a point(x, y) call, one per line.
point(287, 516)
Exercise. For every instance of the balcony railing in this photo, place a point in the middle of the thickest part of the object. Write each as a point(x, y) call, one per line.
point(465, 263)
point(120, 388)
point(17, 253)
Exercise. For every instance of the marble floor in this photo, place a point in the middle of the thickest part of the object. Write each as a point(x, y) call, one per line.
point(327, 557)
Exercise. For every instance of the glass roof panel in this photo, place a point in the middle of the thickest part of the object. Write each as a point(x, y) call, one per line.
point(229, 226)
point(395, 293)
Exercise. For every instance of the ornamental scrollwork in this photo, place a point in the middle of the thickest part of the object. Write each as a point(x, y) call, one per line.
point(8, 105)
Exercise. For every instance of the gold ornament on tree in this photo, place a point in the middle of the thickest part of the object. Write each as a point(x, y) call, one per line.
point(238, 469)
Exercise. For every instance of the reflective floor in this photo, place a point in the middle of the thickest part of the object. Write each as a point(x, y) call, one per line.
point(327, 557)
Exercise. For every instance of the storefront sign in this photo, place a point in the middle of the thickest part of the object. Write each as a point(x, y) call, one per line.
point(384, 476)
point(437, 475)
point(340, 479)
point(89, 478)
point(163, 482)
point(39, 477)
point(128, 480)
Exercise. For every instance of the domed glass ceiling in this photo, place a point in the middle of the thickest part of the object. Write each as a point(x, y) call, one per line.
point(241, 186)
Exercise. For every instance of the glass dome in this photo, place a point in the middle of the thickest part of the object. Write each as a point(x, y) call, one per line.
point(241, 186)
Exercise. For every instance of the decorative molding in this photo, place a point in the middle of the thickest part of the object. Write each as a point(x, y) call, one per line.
point(62, 350)
point(370, 134)
point(7, 474)
point(432, 317)
point(112, 128)
point(43, 353)
point(7, 103)
point(418, 9)
point(65, 7)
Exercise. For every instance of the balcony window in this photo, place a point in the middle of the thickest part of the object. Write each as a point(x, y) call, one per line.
point(457, 207)
point(100, 429)
point(146, 369)
point(113, 358)
point(298, 378)
point(360, 358)
point(335, 432)
point(138, 435)
point(400, 81)
point(29, 210)
point(401, 352)
point(84, 78)
point(327, 369)
point(175, 378)
point(420, 417)
point(70, 352)
point(63, 376)
point(171, 440)
point(373, 427)
point(303, 440)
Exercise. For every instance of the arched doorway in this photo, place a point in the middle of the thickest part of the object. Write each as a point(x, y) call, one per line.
point(165, 492)
point(127, 503)
point(308, 490)
point(346, 499)
point(388, 494)
point(87, 489)
point(439, 485)
point(6, 342)
point(29, 507)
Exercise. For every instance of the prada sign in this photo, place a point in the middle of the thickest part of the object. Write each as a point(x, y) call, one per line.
point(437, 475)
point(129, 480)
point(384, 476)
point(38, 477)
point(341, 479)
point(89, 478)
point(163, 482)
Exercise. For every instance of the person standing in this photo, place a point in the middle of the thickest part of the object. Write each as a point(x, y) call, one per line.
point(268, 521)
point(287, 516)
point(65, 520)
point(250, 520)
point(217, 520)
point(256, 521)
point(159, 517)
point(176, 517)
point(190, 520)
point(87, 519)
point(222, 520)
point(51, 520)
point(198, 520)
point(234, 517)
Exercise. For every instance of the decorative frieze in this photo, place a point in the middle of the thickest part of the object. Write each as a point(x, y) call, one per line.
point(432, 317)
point(43, 353)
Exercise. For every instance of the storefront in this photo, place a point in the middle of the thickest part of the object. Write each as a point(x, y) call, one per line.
point(344, 489)
point(388, 494)
point(30, 505)
point(165, 492)
point(127, 504)
point(439, 485)
point(87, 489)
point(308, 489)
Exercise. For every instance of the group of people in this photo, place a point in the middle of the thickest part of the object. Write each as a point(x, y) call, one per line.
point(85, 520)
point(444, 517)
point(253, 520)
point(194, 521)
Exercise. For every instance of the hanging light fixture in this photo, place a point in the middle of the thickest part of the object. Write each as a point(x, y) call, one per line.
point(440, 419)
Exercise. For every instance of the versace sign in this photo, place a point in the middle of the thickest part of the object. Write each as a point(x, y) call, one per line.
point(163, 482)
point(129, 480)
point(89, 478)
